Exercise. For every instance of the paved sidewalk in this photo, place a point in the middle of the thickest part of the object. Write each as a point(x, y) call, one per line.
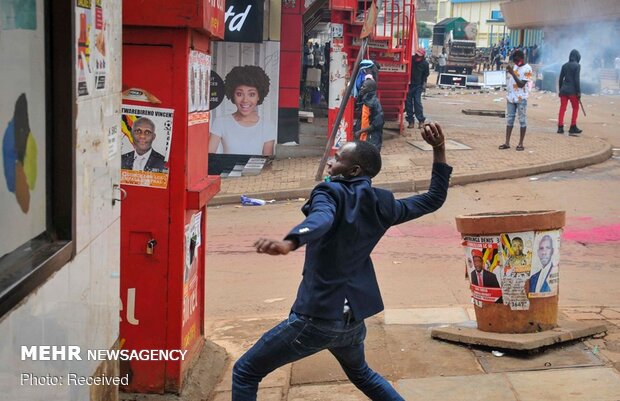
point(399, 346)
point(407, 168)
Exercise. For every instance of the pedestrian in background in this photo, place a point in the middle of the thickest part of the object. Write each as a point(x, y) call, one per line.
point(316, 55)
point(441, 62)
point(371, 120)
point(497, 60)
point(345, 219)
point(419, 75)
point(518, 87)
point(570, 89)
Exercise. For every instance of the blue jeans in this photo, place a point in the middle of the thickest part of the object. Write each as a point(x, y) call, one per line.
point(300, 336)
point(441, 70)
point(413, 103)
point(512, 109)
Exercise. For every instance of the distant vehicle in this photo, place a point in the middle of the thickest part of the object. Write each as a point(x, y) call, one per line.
point(458, 37)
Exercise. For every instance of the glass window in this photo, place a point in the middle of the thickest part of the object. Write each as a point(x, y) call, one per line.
point(37, 137)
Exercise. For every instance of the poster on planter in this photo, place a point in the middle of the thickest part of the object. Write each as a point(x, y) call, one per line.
point(483, 267)
point(545, 274)
point(516, 259)
point(145, 145)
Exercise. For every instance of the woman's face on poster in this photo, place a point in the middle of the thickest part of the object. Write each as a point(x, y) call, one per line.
point(246, 99)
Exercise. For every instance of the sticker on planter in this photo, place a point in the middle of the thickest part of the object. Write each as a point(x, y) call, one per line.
point(483, 266)
point(545, 273)
point(516, 261)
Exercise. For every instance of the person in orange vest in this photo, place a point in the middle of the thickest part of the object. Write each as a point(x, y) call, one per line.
point(371, 126)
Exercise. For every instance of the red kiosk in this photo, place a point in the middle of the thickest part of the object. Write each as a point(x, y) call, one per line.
point(166, 66)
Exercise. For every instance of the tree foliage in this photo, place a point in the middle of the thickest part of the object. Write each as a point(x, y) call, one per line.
point(424, 31)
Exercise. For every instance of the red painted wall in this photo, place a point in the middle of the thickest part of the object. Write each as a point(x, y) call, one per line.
point(290, 58)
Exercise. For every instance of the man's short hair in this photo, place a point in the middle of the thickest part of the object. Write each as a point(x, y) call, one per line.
point(144, 120)
point(518, 54)
point(546, 237)
point(368, 157)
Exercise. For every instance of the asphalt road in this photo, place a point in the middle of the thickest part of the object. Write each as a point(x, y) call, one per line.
point(241, 283)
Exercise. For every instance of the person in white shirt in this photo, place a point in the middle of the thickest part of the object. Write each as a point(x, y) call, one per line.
point(518, 86)
point(441, 62)
point(143, 157)
point(244, 131)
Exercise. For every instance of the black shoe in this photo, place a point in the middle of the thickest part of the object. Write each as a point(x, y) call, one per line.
point(574, 130)
point(560, 129)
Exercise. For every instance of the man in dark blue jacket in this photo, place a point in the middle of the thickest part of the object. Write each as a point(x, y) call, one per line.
point(346, 218)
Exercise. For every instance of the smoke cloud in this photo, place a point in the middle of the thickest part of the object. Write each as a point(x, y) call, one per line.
point(597, 41)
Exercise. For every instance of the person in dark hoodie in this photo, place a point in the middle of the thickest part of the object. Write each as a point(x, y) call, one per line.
point(371, 121)
point(570, 89)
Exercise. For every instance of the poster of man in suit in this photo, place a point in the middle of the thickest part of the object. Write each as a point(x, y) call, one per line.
point(145, 147)
point(483, 261)
point(545, 274)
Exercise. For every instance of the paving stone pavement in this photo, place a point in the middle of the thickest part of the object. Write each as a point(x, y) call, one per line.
point(399, 346)
point(406, 167)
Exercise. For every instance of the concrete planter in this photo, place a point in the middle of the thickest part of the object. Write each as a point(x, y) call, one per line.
point(512, 261)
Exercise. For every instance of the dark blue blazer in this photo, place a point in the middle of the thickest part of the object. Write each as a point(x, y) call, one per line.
point(534, 281)
point(345, 220)
point(155, 163)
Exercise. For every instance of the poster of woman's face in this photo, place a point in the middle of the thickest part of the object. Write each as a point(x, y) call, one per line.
point(245, 123)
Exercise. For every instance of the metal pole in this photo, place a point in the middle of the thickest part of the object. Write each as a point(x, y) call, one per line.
point(343, 104)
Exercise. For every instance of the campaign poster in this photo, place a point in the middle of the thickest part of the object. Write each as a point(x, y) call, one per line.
point(199, 77)
point(191, 290)
point(545, 273)
point(483, 267)
point(84, 27)
point(516, 259)
point(193, 241)
point(145, 145)
point(91, 61)
point(99, 49)
point(245, 122)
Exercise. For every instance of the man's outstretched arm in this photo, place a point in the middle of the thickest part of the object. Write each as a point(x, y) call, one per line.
point(418, 205)
point(320, 219)
point(273, 247)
